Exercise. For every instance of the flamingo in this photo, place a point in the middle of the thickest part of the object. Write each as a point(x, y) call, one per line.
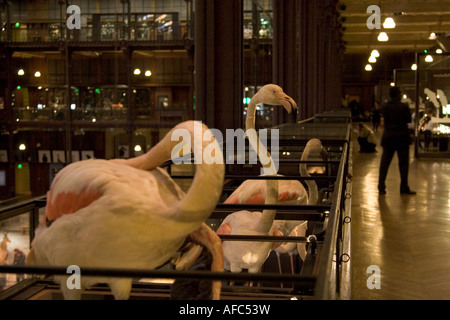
point(128, 213)
point(289, 192)
point(249, 255)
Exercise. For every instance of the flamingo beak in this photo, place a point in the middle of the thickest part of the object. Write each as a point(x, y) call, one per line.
point(289, 104)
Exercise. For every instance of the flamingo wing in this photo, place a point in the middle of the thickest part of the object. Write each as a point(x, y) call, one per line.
point(80, 184)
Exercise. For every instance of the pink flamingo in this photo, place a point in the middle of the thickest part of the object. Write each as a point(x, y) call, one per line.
point(130, 213)
point(289, 192)
point(250, 255)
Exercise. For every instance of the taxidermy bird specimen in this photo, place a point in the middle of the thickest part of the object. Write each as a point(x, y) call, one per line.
point(130, 214)
point(250, 255)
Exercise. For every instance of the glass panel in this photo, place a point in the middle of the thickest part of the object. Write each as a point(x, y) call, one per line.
point(14, 246)
point(433, 111)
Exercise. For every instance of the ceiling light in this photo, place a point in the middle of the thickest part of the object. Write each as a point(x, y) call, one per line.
point(22, 147)
point(432, 36)
point(429, 58)
point(414, 67)
point(368, 67)
point(389, 23)
point(375, 53)
point(372, 59)
point(438, 51)
point(37, 74)
point(148, 73)
point(383, 37)
point(137, 71)
point(20, 72)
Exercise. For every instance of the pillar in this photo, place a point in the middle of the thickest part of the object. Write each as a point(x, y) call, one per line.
point(218, 63)
point(285, 52)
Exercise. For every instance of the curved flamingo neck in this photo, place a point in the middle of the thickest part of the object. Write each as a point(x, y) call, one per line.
point(265, 223)
point(313, 192)
point(206, 187)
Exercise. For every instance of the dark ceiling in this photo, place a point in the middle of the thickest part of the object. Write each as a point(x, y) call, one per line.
point(415, 21)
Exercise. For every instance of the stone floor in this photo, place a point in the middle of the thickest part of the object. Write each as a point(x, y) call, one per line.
point(406, 236)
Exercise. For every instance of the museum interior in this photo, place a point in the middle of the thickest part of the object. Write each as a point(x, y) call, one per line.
point(85, 82)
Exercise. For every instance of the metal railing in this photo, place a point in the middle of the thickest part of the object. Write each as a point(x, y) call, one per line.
point(325, 271)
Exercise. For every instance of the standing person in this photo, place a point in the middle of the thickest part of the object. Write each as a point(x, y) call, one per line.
point(376, 116)
point(395, 138)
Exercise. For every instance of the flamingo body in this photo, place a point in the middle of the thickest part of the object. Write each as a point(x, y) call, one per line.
point(124, 214)
point(240, 255)
point(253, 192)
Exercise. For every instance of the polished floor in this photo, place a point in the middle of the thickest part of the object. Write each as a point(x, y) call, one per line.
point(406, 236)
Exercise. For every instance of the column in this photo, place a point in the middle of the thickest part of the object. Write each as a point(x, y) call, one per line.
point(285, 52)
point(218, 63)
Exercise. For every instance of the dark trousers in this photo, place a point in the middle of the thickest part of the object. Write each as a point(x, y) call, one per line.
point(403, 164)
point(427, 137)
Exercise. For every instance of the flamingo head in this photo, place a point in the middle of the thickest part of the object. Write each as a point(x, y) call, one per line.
point(273, 95)
point(315, 147)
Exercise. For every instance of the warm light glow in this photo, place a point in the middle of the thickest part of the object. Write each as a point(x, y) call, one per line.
point(392, 84)
point(372, 59)
point(94, 120)
point(375, 53)
point(432, 36)
point(148, 73)
point(368, 67)
point(429, 58)
point(22, 147)
point(438, 51)
point(383, 37)
point(414, 67)
point(161, 17)
point(20, 72)
point(137, 71)
point(37, 74)
point(389, 23)
point(405, 96)
point(137, 148)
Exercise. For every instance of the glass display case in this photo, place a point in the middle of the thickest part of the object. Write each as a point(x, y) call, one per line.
point(428, 84)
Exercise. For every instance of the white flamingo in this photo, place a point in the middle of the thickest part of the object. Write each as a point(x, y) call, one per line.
point(298, 228)
point(129, 214)
point(289, 192)
point(250, 255)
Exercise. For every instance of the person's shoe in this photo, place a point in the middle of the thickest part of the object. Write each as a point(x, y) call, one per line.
point(408, 192)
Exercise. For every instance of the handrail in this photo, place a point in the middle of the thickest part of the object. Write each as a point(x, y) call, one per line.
point(323, 286)
point(324, 282)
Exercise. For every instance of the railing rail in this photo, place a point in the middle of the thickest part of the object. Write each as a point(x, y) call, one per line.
point(321, 278)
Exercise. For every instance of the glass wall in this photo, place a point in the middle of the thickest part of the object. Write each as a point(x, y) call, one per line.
point(428, 82)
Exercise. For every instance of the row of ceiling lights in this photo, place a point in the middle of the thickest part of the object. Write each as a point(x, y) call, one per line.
point(389, 23)
point(136, 71)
